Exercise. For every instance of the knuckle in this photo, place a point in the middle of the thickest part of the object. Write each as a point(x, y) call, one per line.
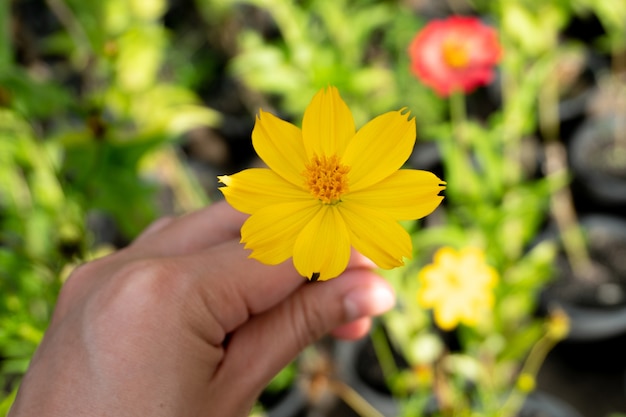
point(74, 285)
point(146, 280)
point(135, 301)
point(140, 293)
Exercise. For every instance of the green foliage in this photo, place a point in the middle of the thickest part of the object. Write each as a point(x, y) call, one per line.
point(95, 102)
point(347, 43)
point(37, 229)
point(499, 203)
point(78, 120)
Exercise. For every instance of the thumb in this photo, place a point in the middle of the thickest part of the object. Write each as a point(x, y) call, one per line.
point(268, 342)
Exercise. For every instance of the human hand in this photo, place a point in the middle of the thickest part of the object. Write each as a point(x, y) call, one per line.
point(183, 323)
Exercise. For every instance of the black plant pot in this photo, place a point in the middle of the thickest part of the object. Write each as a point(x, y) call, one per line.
point(579, 75)
point(598, 164)
point(596, 301)
point(541, 404)
point(351, 356)
point(291, 402)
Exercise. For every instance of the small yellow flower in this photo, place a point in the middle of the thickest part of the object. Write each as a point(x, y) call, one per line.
point(558, 324)
point(526, 383)
point(329, 187)
point(458, 286)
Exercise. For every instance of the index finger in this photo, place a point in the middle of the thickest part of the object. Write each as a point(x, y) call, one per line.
point(193, 232)
point(236, 286)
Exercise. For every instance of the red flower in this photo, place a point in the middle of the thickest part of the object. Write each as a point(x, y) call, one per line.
point(457, 53)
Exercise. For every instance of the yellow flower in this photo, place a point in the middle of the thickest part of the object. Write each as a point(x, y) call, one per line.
point(458, 286)
point(329, 188)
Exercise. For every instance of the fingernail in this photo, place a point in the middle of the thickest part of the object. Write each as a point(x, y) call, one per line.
point(368, 301)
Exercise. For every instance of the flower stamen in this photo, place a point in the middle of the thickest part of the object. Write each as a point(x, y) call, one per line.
point(455, 53)
point(326, 178)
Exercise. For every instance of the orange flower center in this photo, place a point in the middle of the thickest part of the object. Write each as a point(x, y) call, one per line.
point(326, 178)
point(455, 53)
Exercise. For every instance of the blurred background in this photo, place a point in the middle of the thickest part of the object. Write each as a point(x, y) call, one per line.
point(116, 112)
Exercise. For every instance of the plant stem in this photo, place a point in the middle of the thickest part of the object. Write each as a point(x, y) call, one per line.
point(531, 368)
point(458, 116)
point(511, 135)
point(380, 342)
point(74, 28)
point(562, 205)
point(461, 179)
point(354, 399)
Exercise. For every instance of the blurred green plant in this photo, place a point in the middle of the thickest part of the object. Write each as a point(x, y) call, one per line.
point(293, 49)
point(40, 230)
point(92, 107)
point(86, 108)
point(498, 202)
point(316, 49)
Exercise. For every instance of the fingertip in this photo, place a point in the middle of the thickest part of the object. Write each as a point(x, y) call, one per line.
point(373, 299)
point(353, 330)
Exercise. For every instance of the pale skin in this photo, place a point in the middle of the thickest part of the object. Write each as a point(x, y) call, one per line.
point(183, 323)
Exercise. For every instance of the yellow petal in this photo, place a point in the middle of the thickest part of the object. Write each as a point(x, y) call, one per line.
point(272, 231)
point(432, 278)
point(379, 149)
point(405, 195)
point(426, 297)
point(376, 235)
point(279, 144)
point(323, 246)
point(447, 314)
point(252, 189)
point(446, 258)
point(327, 126)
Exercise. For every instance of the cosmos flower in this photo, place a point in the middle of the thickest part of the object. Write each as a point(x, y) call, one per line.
point(458, 53)
point(329, 188)
point(458, 286)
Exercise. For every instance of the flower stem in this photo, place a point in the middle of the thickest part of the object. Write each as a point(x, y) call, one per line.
point(353, 399)
point(383, 352)
point(529, 371)
point(461, 182)
point(74, 28)
point(561, 203)
point(511, 130)
point(458, 116)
